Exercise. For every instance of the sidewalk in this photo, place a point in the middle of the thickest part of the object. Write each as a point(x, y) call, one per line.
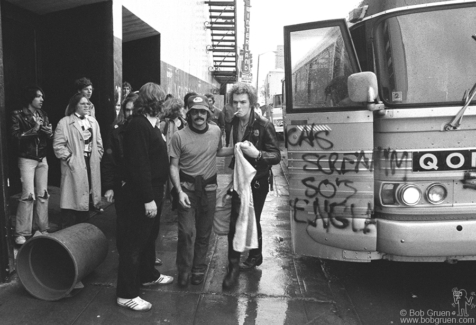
point(285, 289)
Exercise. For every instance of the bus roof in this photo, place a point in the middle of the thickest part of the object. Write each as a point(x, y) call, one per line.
point(378, 7)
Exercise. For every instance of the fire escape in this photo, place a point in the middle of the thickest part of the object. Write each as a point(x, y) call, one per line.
point(223, 30)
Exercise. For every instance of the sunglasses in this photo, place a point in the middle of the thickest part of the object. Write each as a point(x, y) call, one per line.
point(198, 111)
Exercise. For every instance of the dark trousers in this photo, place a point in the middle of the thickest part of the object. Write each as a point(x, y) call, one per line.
point(72, 217)
point(194, 230)
point(136, 234)
point(259, 197)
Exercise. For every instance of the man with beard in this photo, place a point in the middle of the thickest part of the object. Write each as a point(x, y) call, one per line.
point(194, 174)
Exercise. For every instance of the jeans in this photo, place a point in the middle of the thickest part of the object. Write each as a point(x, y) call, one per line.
point(33, 205)
point(136, 235)
point(192, 223)
point(259, 197)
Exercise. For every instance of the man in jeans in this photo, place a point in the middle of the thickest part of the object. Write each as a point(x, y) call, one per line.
point(32, 130)
point(194, 174)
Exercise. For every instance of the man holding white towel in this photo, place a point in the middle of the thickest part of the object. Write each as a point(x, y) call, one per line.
point(262, 152)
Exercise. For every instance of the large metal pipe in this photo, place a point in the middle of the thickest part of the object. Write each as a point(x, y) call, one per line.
point(49, 266)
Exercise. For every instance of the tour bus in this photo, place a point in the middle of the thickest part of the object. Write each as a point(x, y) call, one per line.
point(380, 125)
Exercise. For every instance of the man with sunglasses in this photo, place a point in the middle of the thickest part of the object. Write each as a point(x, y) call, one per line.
point(193, 171)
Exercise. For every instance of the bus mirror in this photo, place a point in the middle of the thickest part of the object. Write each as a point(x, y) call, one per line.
point(362, 87)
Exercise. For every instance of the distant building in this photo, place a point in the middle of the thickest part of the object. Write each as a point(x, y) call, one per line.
point(280, 57)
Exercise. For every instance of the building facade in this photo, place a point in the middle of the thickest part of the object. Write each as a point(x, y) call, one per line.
point(52, 43)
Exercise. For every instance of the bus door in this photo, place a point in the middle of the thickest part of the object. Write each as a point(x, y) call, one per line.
point(329, 144)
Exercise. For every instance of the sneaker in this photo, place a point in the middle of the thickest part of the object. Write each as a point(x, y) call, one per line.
point(137, 304)
point(44, 232)
point(158, 261)
point(20, 240)
point(163, 279)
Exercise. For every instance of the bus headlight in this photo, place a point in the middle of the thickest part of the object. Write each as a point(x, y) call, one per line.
point(436, 193)
point(409, 195)
point(387, 193)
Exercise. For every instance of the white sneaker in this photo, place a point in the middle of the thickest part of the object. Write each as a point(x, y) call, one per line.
point(163, 279)
point(137, 304)
point(20, 240)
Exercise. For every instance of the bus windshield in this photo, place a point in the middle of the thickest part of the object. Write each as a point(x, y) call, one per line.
point(427, 57)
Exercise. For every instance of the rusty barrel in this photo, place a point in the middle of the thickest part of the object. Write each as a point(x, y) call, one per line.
point(49, 266)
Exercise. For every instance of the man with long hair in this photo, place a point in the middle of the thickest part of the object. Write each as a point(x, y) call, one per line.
point(146, 171)
point(32, 131)
point(193, 170)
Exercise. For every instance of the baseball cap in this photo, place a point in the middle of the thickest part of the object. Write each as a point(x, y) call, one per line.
point(198, 102)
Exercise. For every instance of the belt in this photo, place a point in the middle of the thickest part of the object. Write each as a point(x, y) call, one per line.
point(200, 185)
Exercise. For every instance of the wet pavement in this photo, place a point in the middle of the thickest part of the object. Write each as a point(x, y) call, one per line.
point(285, 289)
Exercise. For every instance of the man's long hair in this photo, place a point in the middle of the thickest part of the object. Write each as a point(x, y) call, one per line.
point(121, 117)
point(73, 103)
point(150, 100)
point(173, 107)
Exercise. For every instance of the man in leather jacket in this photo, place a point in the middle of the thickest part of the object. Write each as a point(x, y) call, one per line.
point(262, 152)
point(31, 130)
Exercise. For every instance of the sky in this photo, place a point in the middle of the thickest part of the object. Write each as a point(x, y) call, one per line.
point(267, 18)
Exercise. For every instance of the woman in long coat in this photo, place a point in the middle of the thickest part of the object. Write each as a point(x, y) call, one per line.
point(78, 143)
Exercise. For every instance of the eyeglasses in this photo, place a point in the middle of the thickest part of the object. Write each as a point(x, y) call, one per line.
point(88, 89)
point(198, 111)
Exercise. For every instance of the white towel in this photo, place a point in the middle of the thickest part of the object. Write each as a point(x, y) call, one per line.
point(246, 234)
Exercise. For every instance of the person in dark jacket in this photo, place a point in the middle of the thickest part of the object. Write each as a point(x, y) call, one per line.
point(32, 130)
point(113, 160)
point(146, 171)
point(262, 152)
point(217, 115)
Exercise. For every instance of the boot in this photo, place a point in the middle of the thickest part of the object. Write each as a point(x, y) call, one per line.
point(231, 277)
point(251, 262)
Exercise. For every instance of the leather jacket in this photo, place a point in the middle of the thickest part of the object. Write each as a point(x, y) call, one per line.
point(261, 133)
point(31, 143)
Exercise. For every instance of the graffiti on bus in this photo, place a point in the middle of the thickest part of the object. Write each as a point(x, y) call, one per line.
point(328, 192)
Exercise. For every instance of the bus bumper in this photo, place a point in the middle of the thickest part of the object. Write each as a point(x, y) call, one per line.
point(426, 238)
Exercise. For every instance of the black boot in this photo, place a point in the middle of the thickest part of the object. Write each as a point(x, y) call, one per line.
point(251, 262)
point(231, 277)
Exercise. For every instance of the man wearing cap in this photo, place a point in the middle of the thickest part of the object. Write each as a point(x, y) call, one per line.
point(194, 174)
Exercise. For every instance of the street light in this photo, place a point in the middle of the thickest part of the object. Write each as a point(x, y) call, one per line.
point(257, 71)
